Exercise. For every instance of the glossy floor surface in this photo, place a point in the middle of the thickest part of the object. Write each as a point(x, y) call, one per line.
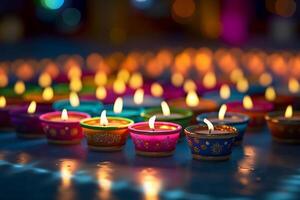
point(260, 169)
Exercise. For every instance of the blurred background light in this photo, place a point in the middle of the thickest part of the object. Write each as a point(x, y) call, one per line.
point(71, 16)
point(52, 4)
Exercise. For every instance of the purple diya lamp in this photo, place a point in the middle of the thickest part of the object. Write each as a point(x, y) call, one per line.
point(210, 142)
point(5, 121)
point(26, 120)
point(166, 91)
point(285, 127)
point(63, 127)
point(236, 120)
point(155, 139)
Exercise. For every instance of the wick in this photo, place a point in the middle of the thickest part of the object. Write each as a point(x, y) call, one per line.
point(209, 131)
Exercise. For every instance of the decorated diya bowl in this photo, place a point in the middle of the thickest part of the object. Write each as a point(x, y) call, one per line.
point(60, 131)
point(28, 125)
point(236, 120)
point(285, 130)
point(211, 146)
point(5, 120)
point(159, 142)
point(111, 137)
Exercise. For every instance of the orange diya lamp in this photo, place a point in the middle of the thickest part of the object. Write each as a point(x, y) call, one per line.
point(63, 127)
point(255, 109)
point(284, 127)
point(106, 133)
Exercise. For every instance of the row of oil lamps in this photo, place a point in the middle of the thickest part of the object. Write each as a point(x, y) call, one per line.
point(158, 135)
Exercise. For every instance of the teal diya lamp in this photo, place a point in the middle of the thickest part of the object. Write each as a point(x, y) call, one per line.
point(165, 113)
point(92, 107)
point(210, 142)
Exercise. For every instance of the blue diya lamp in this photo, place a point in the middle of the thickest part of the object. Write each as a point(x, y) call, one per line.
point(92, 107)
point(208, 144)
point(236, 120)
point(140, 101)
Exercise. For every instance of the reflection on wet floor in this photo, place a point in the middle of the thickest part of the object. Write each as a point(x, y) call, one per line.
point(151, 183)
point(105, 180)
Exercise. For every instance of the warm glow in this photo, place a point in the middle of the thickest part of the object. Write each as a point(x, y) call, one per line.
point(157, 90)
point(48, 94)
point(75, 85)
point(209, 80)
point(118, 105)
point(74, 99)
point(31, 108)
point(101, 92)
point(177, 79)
point(67, 168)
point(105, 181)
point(265, 79)
point(293, 85)
point(152, 122)
point(100, 78)
point(225, 91)
point(119, 86)
point(270, 93)
point(165, 108)
point(2, 102)
point(151, 184)
point(222, 112)
point(138, 96)
point(209, 125)
point(74, 72)
point(192, 99)
point(136, 81)
point(247, 102)
point(64, 115)
point(242, 85)
point(236, 75)
point(3, 79)
point(45, 80)
point(189, 85)
point(124, 75)
point(288, 112)
point(103, 119)
point(19, 87)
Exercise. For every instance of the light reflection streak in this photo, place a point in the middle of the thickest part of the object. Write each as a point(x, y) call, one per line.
point(67, 169)
point(150, 183)
point(105, 180)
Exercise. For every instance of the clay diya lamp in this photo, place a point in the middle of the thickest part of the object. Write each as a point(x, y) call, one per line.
point(210, 142)
point(155, 139)
point(284, 127)
point(5, 109)
point(236, 120)
point(63, 127)
point(26, 120)
point(256, 110)
point(106, 133)
point(75, 104)
point(167, 114)
point(280, 101)
point(140, 101)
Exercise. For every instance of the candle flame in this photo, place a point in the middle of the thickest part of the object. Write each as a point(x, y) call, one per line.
point(247, 102)
point(74, 72)
point(242, 85)
point(225, 91)
point(152, 122)
point(103, 119)
point(293, 85)
point(124, 75)
point(45, 80)
point(118, 105)
point(222, 112)
point(236, 75)
point(192, 99)
point(189, 85)
point(265, 79)
point(2, 102)
point(3, 79)
point(138, 96)
point(101, 92)
point(119, 86)
point(31, 108)
point(74, 99)
point(288, 112)
point(209, 80)
point(209, 125)
point(157, 90)
point(48, 93)
point(165, 108)
point(75, 84)
point(270, 93)
point(177, 79)
point(19, 87)
point(136, 81)
point(100, 78)
point(64, 115)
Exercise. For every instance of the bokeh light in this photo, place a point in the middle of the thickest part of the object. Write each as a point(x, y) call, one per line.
point(52, 4)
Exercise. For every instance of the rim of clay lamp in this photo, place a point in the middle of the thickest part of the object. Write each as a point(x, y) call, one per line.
point(244, 118)
point(84, 124)
point(271, 117)
point(231, 132)
point(186, 113)
point(150, 132)
point(44, 117)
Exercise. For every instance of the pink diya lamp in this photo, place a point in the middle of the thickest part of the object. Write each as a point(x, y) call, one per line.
point(256, 110)
point(63, 127)
point(284, 127)
point(106, 133)
point(155, 139)
point(26, 120)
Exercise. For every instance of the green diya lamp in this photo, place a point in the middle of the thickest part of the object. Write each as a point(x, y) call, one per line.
point(169, 114)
